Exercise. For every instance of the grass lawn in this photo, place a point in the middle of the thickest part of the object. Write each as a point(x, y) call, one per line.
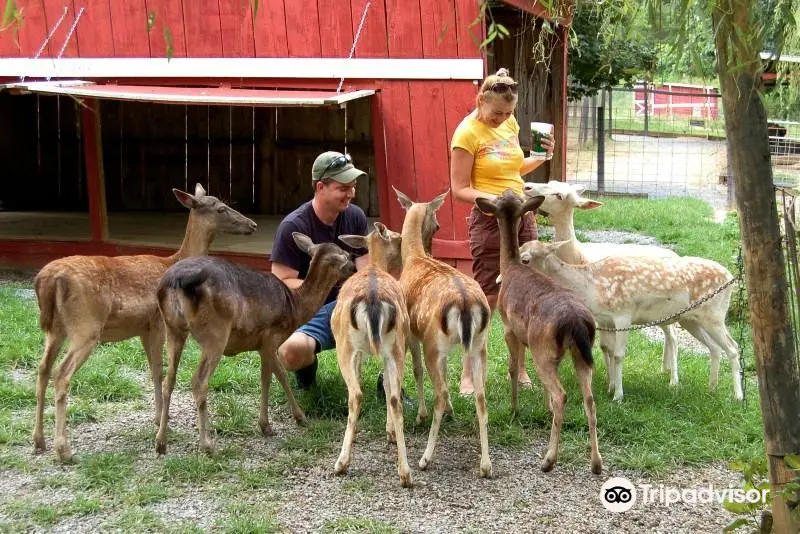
point(656, 429)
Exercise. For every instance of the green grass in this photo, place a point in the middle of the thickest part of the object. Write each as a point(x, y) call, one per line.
point(655, 430)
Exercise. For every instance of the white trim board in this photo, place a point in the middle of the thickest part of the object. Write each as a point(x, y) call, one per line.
point(378, 69)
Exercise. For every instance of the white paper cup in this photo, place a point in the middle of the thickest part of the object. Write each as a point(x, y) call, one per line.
point(538, 131)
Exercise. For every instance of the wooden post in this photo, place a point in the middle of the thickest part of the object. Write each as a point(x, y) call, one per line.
point(95, 178)
point(767, 290)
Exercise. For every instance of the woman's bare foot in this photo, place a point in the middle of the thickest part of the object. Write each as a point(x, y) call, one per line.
point(466, 388)
point(524, 380)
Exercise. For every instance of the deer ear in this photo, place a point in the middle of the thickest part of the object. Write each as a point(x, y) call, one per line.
point(185, 198)
point(532, 204)
point(588, 204)
point(437, 202)
point(382, 230)
point(485, 205)
point(304, 242)
point(354, 241)
point(199, 191)
point(403, 199)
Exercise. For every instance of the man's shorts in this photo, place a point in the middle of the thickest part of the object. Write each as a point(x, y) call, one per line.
point(484, 244)
point(319, 328)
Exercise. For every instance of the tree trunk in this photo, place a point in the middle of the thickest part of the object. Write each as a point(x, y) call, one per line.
point(748, 145)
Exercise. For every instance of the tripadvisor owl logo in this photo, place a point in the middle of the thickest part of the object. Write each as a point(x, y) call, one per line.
point(618, 494)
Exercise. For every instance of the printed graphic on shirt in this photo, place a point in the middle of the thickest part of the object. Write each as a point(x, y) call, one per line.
point(500, 149)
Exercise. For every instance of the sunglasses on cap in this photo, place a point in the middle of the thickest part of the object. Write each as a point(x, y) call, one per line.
point(503, 87)
point(336, 163)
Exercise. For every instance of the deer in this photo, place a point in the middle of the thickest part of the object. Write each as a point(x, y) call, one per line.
point(622, 290)
point(446, 309)
point(371, 317)
point(546, 318)
point(229, 309)
point(560, 201)
point(93, 299)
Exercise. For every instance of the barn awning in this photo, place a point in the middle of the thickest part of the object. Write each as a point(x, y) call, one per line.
point(222, 96)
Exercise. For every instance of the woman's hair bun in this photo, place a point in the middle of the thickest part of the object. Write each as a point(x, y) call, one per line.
point(502, 72)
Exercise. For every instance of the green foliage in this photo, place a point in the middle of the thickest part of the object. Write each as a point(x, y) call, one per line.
point(606, 49)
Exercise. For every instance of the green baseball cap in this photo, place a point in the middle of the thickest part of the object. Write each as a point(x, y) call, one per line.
point(335, 166)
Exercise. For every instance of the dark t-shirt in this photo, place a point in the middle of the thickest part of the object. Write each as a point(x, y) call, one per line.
point(304, 220)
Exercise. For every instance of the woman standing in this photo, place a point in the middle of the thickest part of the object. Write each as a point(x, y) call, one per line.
point(486, 159)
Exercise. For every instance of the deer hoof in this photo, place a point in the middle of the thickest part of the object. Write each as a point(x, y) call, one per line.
point(267, 430)
point(486, 470)
point(38, 444)
point(597, 466)
point(341, 467)
point(405, 480)
point(423, 463)
point(548, 465)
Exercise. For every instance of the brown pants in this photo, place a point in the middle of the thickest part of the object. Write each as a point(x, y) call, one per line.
point(484, 244)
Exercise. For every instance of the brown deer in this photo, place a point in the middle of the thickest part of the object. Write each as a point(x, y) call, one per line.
point(370, 317)
point(545, 317)
point(230, 309)
point(446, 309)
point(92, 299)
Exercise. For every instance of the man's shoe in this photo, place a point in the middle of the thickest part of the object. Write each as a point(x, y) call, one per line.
point(307, 375)
point(380, 393)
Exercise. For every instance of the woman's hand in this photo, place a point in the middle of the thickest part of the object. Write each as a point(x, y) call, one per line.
point(549, 144)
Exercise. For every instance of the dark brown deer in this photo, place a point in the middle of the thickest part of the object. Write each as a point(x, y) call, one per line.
point(92, 299)
point(546, 318)
point(230, 309)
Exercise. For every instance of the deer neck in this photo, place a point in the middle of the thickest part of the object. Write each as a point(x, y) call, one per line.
point(563, 226)
point(378, 257)
point(509, 241)
point(197, 239)
point(310, 296)
point(412, 246)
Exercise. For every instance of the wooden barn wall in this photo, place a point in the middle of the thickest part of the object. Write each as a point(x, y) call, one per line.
point(227, 28)
point(540, 94)
point(43, 162)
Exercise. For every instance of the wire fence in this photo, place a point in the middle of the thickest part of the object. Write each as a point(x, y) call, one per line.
point(788, 205)
point(666, 140)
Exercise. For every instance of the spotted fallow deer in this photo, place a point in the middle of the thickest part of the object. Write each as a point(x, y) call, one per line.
point(92, 299)
point(622, 291)
point(446, 309)
point(548, 319)
point(370, 317)
point(230, 309)
point(560, 201)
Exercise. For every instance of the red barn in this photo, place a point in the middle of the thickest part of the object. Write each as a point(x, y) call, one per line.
point(110, 104)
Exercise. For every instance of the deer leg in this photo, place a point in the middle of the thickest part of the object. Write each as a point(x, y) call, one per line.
point(607, 341)
point(153, 343)
point(584, 372)
point(393, 366)
point(477, 357)
point(81, 346)
point(669, 363)
point(279, 371)
point(432, 356)
point(715, 351)
point(618, 356)
point(176, 339)
point(209, 359)
point(718, 332)
point(52, 345)
point(547, 366)
point(516, 350)
point(419, 378)
point(350, 366)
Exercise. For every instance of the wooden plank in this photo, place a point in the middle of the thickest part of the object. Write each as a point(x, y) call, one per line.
point(93, 33)
point(404, 28)
point(33, 30)
point(468, 37)
point(53, 11)
point(396, 113)
point(168, 23)
point(431, 149)
point(202, 26)
point(269, 31)
point(372, 42)
point(459, 101)
point(438, 28)
point(129, 25)
point(236, 26)
point(303, 30)
point(338, 23)
point(95, 180)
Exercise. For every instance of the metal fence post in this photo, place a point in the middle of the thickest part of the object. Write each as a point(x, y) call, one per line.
point(601, 150)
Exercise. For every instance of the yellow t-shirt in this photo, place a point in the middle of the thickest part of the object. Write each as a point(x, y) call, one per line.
point(496, 152)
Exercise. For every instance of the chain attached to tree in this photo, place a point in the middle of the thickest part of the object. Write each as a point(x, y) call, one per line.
point(669, 318)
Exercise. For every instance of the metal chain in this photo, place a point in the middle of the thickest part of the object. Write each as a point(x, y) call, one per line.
point(669, 318)
point(355, 42)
